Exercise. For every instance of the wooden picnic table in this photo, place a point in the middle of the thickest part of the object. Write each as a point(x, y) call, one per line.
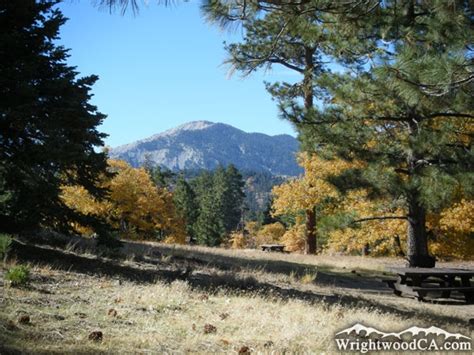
point(419, 282)
point(273, 247)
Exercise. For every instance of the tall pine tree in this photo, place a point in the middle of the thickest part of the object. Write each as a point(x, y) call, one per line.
point(295, 43)
point(408, 113)
point(48, 128)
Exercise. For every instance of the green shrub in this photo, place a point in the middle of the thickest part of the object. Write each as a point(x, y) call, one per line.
point(5, 245)
point(18, 275)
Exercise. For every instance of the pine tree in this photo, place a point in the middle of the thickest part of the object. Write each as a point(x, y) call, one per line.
point(294, 42)
point(209, 227)
point(407, 115)
point(186, 205)
point(162, 177)
point(48, 128)
point(233, 199)
point(220, 196)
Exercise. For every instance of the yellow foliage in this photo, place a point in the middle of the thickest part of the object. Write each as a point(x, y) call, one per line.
point(178, 236)
point(252, 228)
point(453, 231)
point(294, 238)
point(380, 235)
point(77, 198)
point(450, 231)
point(306, 192)
point(247, 238)
point(270, 233)
point(134, 205)
point(309, 190)
point(238, 240)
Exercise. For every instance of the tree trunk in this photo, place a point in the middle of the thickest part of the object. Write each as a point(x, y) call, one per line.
point(308, 84)
point(311, 243)
point(417, 243)
point(366, 249)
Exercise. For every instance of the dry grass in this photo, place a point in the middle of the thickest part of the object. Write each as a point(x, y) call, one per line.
point(225, 301)
point(64, 308)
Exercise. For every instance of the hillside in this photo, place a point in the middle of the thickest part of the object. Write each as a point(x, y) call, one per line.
point(205, 145)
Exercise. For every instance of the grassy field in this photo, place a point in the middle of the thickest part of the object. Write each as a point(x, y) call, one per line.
point(159, 298)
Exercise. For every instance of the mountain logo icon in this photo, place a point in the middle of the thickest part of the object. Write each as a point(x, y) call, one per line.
point(414, 331)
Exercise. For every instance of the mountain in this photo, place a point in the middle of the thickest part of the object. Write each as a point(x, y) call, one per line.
point(205, 145)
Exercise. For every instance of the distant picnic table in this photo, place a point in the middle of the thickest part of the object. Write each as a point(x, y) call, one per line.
point(273, 247)
point(419, 282)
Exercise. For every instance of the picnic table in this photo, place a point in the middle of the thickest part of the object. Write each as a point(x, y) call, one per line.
point(419, 282)
point(273, 247)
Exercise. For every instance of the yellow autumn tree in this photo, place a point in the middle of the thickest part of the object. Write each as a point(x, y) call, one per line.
point(450, 231)
point(294, 238)
point(78, 198)
point(306, 193)
point(134, 205)
point(453, 231)
point(368, 228)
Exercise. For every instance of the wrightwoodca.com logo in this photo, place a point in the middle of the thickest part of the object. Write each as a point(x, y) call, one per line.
point(361, 338)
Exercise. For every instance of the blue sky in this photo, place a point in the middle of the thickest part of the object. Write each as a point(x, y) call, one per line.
point(163, 67)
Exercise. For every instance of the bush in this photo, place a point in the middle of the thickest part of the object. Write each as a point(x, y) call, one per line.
point(237, 240)
point(5, 245)
point(270, 233)
point(18, 275)
point(109, 240)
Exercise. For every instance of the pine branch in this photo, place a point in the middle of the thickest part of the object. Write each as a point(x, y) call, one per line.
point(286, 64)
point(434, 89)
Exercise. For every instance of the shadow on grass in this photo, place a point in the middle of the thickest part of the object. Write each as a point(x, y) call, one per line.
point(153, 254)
point(232, 263)
point(95, 267)
point(209, 282)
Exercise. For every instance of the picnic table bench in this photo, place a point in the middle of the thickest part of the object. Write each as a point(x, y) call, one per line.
point(273, 247)
point(419, 282)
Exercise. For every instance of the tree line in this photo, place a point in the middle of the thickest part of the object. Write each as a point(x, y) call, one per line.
point(151, 204)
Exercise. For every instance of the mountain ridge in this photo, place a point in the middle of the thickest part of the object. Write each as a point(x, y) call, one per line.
point(205, 145)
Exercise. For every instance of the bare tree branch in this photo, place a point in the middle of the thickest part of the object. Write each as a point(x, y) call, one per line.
point(378, 218)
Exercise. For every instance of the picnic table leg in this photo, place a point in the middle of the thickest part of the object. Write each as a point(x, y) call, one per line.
point(400, 281)
point(416, 281)
point(449, 281)
point(466, 282)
